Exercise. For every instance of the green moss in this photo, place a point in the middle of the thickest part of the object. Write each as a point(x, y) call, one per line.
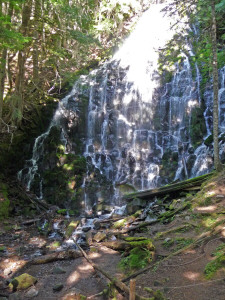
point(208, 141)
point(182, 243)
point(70, 229)
point(212, 267)
point(119, 224)
point(22, 282)
point(65, 211)
point(144, 243)
point(156, 295)
point(54, 245)
point(137, 258)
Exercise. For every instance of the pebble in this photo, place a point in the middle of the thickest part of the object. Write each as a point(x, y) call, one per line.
point(32, 293)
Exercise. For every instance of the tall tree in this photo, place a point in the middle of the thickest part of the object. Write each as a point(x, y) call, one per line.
point(217, 162)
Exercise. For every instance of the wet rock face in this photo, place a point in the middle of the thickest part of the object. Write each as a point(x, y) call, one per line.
point(129, 128)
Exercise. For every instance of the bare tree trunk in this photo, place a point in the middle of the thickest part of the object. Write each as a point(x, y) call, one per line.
point(37, 11)
point(19, 86)
point(217, 163)
point(4, 59)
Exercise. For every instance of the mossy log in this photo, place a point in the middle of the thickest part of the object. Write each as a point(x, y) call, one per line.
point(180, 186)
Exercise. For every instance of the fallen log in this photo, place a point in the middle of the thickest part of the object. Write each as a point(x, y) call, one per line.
point(174, 187)
point(63, 255)
point(29, 222)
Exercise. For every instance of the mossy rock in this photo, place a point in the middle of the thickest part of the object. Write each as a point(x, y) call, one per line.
point(119, 224)
point(71, 227)
point(22, 282)
point(209, 140)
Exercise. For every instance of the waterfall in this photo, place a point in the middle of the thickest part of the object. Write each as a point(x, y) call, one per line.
point(138, 132)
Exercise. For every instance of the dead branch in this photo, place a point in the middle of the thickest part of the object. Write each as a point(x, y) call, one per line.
point(117, 283)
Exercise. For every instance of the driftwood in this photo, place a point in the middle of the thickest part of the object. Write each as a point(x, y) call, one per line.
point(171, 188)
point(63, 255)
point(117, 283)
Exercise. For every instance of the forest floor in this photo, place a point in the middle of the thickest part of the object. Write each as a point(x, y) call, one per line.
point(188, 261)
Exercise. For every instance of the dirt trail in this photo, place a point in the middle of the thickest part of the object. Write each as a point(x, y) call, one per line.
point(180, 276)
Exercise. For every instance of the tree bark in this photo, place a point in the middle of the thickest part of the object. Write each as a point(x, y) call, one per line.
point(4, 59)
point(35, 54)
point(19, 86)
point(217, 163)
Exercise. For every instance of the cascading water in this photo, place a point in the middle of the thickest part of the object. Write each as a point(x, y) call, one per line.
point(138, 133)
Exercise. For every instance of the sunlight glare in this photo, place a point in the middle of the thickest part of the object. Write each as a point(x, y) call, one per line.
point(191, 275)
point(154, 29)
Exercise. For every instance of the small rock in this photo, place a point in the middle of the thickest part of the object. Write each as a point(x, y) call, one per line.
point(32, 293)
point(97, 225)
point(58, 270)
point(113, 238)
point(57, 287)
point(187, 218)
point(220, 196)
point(157, 283)
point(100, 236)
point(86, 229)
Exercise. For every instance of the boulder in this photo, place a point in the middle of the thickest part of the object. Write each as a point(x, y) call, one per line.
point(100, 236)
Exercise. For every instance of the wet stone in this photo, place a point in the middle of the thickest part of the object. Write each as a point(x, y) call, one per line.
point(86, 229)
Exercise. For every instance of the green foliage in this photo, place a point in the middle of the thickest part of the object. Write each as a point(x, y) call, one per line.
point(4, 201)
point(138, 258)
point(178, 243)
point(60, 38)
point(214, 265)
point(219, 250)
